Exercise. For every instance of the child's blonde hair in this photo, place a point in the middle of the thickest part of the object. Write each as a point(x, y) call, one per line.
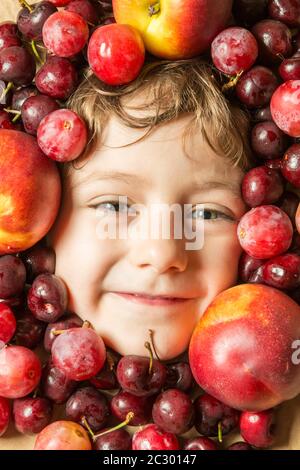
point(169, 89)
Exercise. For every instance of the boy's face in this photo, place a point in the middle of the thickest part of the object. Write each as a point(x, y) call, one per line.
point(103, 275)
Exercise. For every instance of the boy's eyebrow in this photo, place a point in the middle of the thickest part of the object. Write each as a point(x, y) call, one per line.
point(130, 179)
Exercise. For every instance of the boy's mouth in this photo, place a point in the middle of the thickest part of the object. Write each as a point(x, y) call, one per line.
point(152, 299)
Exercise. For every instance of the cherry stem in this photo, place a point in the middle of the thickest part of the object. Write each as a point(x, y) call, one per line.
point(151, 332)
point(35, 52)
point(154, 9)
point(148, 346)
point(220, 434)
point(232, 82)
point(23, 3)
point(13, 111)
point(6, 90)
point(129, 417)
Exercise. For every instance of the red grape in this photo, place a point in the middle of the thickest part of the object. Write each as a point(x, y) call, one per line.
point(56, 78)
point(31, 415)
point(29, 331)
point(291, 165)
point(265, 232)
point(151, 437)
point(256, 87)
point(116, 53)
point(263, 114)
point(79, 353)
point(261, 185)
point(30, 23)
point(20, 371)
point(287, 11)
point(234, 50)
point(248, 266)
point(62, 135)
point(274, 39)
point(7, 323)
point(21, 95)
point(285, 107)
point(35, 109)
point(63, 435)
point(65, 33)
point(55, 384)
point(4, 415)
point(38, 260)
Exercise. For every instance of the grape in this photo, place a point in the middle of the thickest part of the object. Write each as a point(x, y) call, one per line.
point(285, 107)
point(31, 415)
point(7, 323)
point(21, 95)
point(261, 185)
point(256, 87)
point(291, 165)
point(282, 272)
point(29, 331)
point(240, 446)
point(248, 266)
point(38, 260)
point(17, 66)
point(274, 39)
point(287, 11)
point(55, 384)
point(85, 9)
point(65, 323)
point(262, 114)
point(35, 109)
point(56, 78)
point(290, 68)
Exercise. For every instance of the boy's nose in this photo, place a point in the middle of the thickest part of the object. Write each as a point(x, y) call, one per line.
point(162, 255)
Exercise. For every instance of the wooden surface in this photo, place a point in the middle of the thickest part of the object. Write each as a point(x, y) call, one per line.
point(288, 418)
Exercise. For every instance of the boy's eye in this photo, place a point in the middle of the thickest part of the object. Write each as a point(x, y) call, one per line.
point(210, 214)
point(113, 206)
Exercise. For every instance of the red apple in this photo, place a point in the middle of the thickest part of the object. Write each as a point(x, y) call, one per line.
point(173, 29)
point(30, 192)
point(242, 350)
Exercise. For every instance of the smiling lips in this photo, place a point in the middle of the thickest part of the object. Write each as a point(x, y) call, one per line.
point(152, 300)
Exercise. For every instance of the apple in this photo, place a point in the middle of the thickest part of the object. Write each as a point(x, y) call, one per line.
point(172, 29)
point(30, 191)
point(242, 351)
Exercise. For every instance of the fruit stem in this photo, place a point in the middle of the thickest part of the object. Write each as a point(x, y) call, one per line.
point(86, 424)
point(23, 3)
point(151, 332)
point(110, 361)
point(86, 324)
point(232, 82)
point(220, 434)
point(6, 90)
point(154, 9)
point(129, 417)
point(148, 346)
point(58, 332)
point(13, 111)
point(35, 52)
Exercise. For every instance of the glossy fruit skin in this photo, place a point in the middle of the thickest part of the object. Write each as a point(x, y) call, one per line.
point(79, 352)
point(38, 260)
point(282, 272)
point(35, 109)
point(7, 323)
point(285, 107)
point(262, 185)
point(200, 443)
point(65, 33)
point(57, 78)
point(192, 25)
point(17, 66)
point(179, 376)
point(55, 384)
point(115, 440)
point(86, 9)
point(62, 135)
point(29, 331)
point(88, 403)
point(27, 210)
point(287, 11)
point(8, 35)
point(290, 68)
point(268, 141)
point(291, 165)
point(233, 355)
point(247, 266)
point(63, 435)
point(12, 276)
point(256, 87)
point(21, 95)
point(234, 50)
point(123, 402)
point(116, 54)
point(151, 437)
point(274, 39)
point(173, 411)
point(258, 428)
point(71, 321)
point(240, 446)
point(210, 412)
point(31, 415)
point(4, 415)
point(30, 24)
point(20, 371)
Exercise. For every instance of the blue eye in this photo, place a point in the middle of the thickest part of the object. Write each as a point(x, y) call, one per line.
point(210, 214)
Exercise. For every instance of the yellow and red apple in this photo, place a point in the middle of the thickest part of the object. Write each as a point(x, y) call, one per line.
point(245, 348)
point(175, 29)
point(30, 191)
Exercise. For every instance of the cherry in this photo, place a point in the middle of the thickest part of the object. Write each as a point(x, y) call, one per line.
point(62, 135)
point(47, 298)
point(88, 403)
point(200, 443)
point(29, 331)
point(106, 6)
point(141, 376)
point(79, 353)
point(65, 323)
point(17, 66)
point(151, 437)
point(274, 164)
point(65, 33)
point(213, 416)
point(274, 39)
point(30, 23)
point(106, 379)
point(262, 114)
point(114, 440)
point(60, 3)
point(287, 11)
point(38, 260)
point(21, 95)
point(289, 204)
point(249, 12)
point(268, 141)
point(290, 68)
point(265, 232)
point(5, 122)
point(123, 403)
point(240, 446)
point(257, 429)
point(234, 50)
point(282, 272)
point(57, 78)
point(63, 435)
point(291, 165)
point(179, 375)
point(31, 415)
point(4, 415)
point(261, 185)
point(7, 323)
point(256, 87)
point(35, 109)
point(20, 371)
point(55, 384)
point(173, 411)
point(8, 35)
point(12, 276)
point(86, 9)
point(248, 266)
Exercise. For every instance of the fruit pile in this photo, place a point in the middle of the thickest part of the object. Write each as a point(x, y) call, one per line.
point(240, 351)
